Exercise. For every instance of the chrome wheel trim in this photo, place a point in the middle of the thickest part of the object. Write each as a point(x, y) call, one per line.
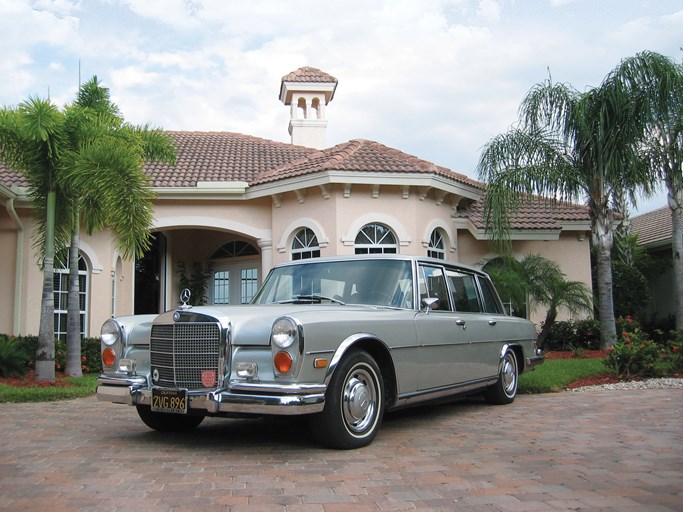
point(359, 400)
point(509, 375)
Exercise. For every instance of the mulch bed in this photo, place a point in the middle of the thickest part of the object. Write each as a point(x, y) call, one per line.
point(29, 381)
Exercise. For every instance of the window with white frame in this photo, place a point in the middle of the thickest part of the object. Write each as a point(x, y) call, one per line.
point(436, 245)
point(235, 273)
point(375, 239)
point(305, 245)
point(61, 292)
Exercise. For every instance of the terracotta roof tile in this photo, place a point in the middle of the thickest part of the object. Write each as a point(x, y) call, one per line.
point(309, 74)
point(535, 213)
point(653, 227)
point(363, 156)
point(220, 156)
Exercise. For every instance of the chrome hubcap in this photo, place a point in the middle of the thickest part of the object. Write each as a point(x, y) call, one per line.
point(359, 400)
point(509, 375)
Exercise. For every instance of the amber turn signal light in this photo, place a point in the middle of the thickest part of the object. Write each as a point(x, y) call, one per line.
point(108, 357)
point(282, 361)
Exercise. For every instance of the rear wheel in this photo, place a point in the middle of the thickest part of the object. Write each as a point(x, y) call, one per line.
point(164, 422)
point(354, 404)
point(504, 390)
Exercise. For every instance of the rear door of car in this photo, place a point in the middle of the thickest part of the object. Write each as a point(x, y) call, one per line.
point(475, 304)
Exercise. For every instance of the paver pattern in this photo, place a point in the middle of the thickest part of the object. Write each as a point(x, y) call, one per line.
point(592, 451)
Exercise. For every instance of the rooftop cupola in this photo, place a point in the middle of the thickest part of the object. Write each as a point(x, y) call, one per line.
point(307, 91)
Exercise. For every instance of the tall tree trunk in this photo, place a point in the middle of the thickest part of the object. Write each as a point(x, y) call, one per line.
point(603, 239)
point(676, 205)
point(45, 352)
point(73, 314)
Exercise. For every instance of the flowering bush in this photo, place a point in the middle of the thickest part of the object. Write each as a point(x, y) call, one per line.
point(672, 353)
point(633, 354)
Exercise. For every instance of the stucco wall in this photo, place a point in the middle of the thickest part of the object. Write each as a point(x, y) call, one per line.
point(571, 252)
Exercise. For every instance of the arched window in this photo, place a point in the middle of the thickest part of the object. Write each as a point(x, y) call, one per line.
point(61, 292)
point(305, 245)
point(436, 245)
point(375, 239)
point(234, 249)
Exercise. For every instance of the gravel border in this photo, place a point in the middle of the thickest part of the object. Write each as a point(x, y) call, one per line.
point(666, 383)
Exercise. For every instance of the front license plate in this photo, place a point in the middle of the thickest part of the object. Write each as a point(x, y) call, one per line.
point(173, 401)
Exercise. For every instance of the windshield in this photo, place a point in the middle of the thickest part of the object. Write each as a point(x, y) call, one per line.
point(369, 282)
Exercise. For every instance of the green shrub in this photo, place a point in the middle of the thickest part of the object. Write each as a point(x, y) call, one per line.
point(14, 357)
point(633, 354)
point(573, 335)
point(91, 361)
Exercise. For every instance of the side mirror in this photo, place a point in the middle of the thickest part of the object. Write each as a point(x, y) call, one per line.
point(430, 303)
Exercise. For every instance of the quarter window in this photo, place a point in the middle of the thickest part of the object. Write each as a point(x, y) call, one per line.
point(375, 239)
point(305, 245)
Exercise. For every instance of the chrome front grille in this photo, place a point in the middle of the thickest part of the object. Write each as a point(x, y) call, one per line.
point(181, 352)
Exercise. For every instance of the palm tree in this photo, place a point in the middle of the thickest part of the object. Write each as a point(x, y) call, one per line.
point(569, 146)
point(32, 141)
point(107, 186)
point(660, 80)
point(539, 281)
point(82, 164)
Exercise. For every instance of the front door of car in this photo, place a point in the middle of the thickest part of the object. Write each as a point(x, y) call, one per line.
point(443, 339)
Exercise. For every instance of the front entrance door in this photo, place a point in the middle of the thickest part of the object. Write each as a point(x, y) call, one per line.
point(236, 283)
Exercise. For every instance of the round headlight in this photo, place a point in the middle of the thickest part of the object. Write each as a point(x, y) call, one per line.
point(110, 333)
point(284, 332)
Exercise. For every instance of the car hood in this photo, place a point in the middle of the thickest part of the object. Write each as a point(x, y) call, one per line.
point(251, 324)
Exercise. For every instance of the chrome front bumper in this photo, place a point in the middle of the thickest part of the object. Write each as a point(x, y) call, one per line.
point(239, 397)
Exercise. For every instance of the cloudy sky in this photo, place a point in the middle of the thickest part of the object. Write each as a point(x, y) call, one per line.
point(434, 78)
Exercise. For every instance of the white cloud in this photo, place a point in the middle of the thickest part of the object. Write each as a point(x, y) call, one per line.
point(436, 78)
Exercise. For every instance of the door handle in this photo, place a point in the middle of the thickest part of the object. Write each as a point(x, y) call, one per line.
point(492, 322)
point(461, 323)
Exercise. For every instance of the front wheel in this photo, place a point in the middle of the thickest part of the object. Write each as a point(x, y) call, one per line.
point(354, 404)
point(164, 422)
point(504, 390)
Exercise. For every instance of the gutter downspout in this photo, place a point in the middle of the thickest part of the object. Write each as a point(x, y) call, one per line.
point(19, 266)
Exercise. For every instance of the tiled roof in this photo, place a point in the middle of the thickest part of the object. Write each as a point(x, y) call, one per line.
point(229, 157)
point(221, 156)
point(363, 156)
point(9, 177)
point(309, 74)
point(535, 213)
point(653, 227)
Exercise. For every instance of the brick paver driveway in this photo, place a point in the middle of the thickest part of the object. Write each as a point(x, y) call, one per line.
point(601, 450)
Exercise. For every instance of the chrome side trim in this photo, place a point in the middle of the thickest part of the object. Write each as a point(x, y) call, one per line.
point(443, 392)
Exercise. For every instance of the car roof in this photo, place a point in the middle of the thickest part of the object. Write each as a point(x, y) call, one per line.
point(393, 257)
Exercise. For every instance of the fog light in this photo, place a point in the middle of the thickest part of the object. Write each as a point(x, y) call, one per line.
point(246, 370)
point(127, 365)
point(108, 357)
point(282, 362)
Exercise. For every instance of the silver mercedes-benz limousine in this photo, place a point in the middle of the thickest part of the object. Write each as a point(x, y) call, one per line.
point(342, 340)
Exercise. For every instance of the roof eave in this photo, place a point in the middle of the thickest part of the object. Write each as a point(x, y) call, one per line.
point(365, 178)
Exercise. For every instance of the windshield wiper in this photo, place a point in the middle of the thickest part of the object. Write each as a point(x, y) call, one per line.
point(315, 298)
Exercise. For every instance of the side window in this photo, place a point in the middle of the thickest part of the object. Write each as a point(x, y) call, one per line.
point(491, 302)
point(433, 284)
point(464, 289)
